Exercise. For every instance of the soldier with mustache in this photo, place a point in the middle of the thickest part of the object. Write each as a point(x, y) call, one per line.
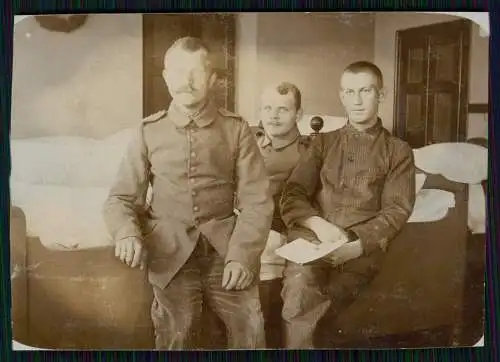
point(281, 145)
point(198, 160)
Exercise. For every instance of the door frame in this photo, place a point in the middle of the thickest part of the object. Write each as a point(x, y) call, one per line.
point(464, 25)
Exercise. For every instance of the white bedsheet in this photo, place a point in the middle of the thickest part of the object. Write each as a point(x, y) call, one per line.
point(63, 217)
point(432, 205)
point(458, 162)
point(477, 209)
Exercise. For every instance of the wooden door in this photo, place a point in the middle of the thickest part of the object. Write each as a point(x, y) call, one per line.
point(160, 31)
point(432, 83)
point(218, 32)
point(411, 95)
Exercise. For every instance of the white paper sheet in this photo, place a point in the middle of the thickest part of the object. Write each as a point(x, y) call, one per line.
point(301, 251)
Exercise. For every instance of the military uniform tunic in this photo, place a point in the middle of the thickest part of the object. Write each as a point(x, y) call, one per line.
point(197, 167)
point(281, 155)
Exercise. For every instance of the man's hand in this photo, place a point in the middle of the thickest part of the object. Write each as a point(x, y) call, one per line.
point(345, 253)
point(236, 276)
point(326, 231)
point(131, 252)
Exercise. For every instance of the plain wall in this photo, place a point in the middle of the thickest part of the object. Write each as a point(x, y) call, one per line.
point(86, 83)
point(309, 50)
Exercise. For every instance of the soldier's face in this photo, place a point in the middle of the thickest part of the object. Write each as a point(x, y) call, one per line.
point(188, 77)
point(360, 94)
point(278, 112)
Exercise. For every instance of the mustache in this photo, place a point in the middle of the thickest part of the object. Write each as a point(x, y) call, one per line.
point(186, 89)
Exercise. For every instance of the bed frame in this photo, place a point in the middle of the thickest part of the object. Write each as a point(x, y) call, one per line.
point(89, 300)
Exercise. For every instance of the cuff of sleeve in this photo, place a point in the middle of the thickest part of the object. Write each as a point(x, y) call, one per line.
point(351, 235)
point(128, 232)
point(252, 264)
point(369, 239)
point(292, 217)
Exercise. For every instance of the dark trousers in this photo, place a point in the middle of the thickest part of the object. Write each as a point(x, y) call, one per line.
point(272, 305)
point(312, 290)
point(177, 309)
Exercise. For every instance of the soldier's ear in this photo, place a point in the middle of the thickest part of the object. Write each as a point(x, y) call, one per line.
point(342, 96)
point(164, 74)
point(382, 93)
point(300, 113)
point(212, 79)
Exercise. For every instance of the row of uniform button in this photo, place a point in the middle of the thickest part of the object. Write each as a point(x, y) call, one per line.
point(191, 131)
point(193, 169)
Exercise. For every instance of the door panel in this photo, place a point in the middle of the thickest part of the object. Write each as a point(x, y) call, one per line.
point(444, 116)
point(417, 62)
point(445, 58)
point(445, 78)
point(413, 88)
point(414, 126)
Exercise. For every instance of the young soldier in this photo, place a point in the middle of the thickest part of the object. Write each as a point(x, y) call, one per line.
point(281, 145)
point(196, 158)
point(357, 184)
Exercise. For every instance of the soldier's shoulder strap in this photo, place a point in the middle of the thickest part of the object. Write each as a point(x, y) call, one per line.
point(224, 112)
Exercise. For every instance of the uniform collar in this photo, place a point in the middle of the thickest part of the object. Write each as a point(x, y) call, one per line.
point(372, 131)
point(201, 118)
point(278, 143)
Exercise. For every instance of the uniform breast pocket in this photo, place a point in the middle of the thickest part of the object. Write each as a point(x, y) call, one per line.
point(220, 157)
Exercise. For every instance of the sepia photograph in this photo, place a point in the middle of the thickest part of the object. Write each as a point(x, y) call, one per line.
point(222, 181)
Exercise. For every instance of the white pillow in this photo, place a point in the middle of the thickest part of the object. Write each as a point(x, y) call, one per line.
point(61, 216)
point(458, 162)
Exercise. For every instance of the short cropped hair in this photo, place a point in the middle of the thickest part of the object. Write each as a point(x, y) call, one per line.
point(365, 66)
point(285, 88)
point(190, 44)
